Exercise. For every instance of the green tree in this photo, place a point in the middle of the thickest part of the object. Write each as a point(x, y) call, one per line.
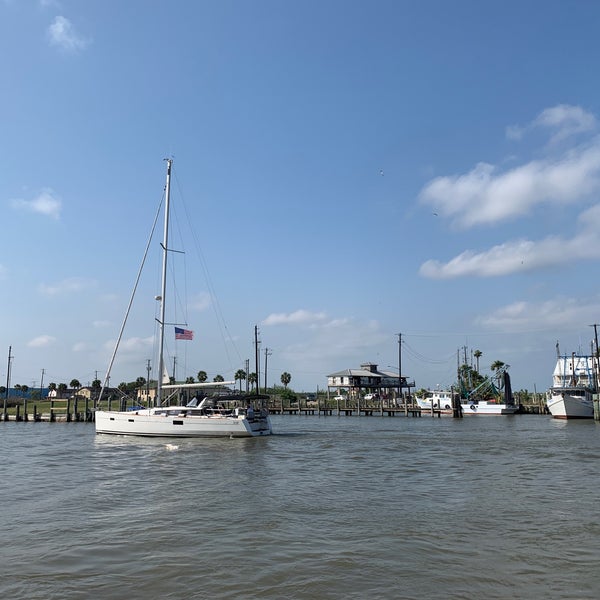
point(218, 378)
point(189, 380)
point(477, 354)
point(62, 388)
point(285, 378)
point(140, 382)
point(75, 384)
point(240, 375)
point(252, 379)
point(202, 376)
point(496, 365)
point(123, 386)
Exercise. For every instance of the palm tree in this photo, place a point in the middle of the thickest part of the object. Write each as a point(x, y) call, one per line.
point(496, 365)
point(202, 376)
point(477, 354)
point(252, 379)
point(240, 375)
point(285, 378)
point(62, 388)
point(75, 384)
point(189, 380)
point(218, 378)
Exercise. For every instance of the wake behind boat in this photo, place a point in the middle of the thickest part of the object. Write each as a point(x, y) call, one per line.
point(217, 417)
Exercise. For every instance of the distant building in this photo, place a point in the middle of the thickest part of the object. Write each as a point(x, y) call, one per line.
point(368, 379)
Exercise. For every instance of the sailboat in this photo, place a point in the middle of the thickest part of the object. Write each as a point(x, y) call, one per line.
point(202, 416)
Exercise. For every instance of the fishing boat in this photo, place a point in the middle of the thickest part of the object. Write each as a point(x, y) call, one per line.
point(439, 399)
point(573, 387)
point(442, 401)
point(222, 415)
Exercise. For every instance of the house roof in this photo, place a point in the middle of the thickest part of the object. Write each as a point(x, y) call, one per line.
point(356, 373)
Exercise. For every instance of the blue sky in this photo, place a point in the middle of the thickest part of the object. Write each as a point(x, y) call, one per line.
point(351, 171)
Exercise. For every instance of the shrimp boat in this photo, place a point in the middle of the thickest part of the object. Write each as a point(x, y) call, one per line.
point(219, 416)
point(573, 387)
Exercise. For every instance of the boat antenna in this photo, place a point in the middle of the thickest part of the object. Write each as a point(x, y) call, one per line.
point(161, 321)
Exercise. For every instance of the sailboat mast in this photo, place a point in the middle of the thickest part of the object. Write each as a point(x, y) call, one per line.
point(161, 322)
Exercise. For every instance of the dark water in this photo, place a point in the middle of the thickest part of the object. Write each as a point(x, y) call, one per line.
point(331, 507)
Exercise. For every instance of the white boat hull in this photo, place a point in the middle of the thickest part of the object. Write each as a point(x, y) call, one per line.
point(563, 405)
point(173, 424)
point(488, 408)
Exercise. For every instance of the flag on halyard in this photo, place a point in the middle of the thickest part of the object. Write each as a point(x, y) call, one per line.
point(183, 334)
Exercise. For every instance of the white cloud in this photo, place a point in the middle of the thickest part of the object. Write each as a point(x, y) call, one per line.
point(49, 4)
point(200, 302)
point(486, 195)
point(554, 314)
point(565, 120)
point(67, 286)
point(80, 347)
point(302, 317)
point(63, 35)
point(46, 203)
point(523, 255)
point(41, 341)
point(132, 344)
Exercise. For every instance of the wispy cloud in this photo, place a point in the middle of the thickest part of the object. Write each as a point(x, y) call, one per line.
point(200, 302)
point(490, 195)
point(46, 203)
point(557, 313)
point(486, 195)
point(67, 286)
point(563, 120)
point(41, 341)
point(132, 345)
point(62, 34)
point(303, 317)
point(524, 255)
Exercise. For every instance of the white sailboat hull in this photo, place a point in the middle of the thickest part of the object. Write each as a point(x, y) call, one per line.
point(171, 423)
point(565, 405)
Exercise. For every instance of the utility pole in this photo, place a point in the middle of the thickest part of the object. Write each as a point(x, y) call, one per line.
point(400, 386)
point(595, 358)
point(4, 411)
point(267, 354)
point(174, 363)
point(148, 369)
point(257, 362)
point(247, 375)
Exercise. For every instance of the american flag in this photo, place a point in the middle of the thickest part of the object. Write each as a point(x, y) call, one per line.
point(183, 334)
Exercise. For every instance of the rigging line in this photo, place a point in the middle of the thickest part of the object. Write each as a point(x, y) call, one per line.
point(214, 299)
point(179, 303)
point(415, 354)
point(137, 280)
